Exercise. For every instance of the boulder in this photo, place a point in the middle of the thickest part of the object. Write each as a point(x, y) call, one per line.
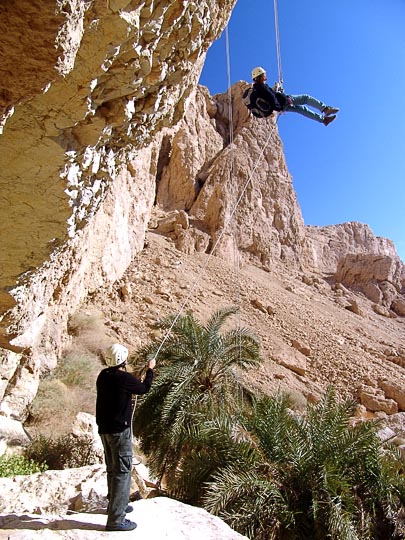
point(393, 390)
point(290, 358)
point(12, 434)
point(374, 400)
point(379, 277)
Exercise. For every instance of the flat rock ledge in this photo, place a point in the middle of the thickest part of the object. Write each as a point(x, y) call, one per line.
point(156, 518)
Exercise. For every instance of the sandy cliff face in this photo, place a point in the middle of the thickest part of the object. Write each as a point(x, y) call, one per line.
point(359, 260)
point(116, 73)
point(325, 246)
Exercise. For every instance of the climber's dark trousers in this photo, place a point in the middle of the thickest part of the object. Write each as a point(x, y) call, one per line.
point(118, 460)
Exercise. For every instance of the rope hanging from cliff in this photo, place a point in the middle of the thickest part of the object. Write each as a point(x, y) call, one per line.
point(231, 140)
point(231, 174)
point(220, 236)
point(278, 49)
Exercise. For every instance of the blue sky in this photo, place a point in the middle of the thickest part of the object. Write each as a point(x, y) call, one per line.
point(350, 54)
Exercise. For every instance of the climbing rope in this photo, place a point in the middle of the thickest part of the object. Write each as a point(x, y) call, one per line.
point(220, 236)
point(232, 162)
point(231, 140)
point(278, 50)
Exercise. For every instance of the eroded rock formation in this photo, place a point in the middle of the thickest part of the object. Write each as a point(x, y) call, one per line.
point(380, 278)
point(325, 246)
point(241, 192)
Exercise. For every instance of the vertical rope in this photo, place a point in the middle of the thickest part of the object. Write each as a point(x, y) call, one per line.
point(278, 50)
point(232, 168)
point(224, 228)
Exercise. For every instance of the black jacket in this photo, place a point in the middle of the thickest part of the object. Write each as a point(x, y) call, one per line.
point(277, 101)
point(114, 390)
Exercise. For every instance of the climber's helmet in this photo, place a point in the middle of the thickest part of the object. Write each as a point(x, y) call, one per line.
point(257, 71)
point(116, 355)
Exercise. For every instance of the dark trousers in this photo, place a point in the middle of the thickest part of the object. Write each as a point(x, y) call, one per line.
point(118, 460)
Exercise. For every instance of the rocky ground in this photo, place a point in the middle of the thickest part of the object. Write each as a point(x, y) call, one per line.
point(312, 332)
point(41, 506)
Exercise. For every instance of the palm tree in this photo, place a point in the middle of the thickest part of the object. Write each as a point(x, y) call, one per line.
point(311, 477)
point(199, 377)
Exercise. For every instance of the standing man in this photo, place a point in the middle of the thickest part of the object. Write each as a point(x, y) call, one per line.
point(113, 416)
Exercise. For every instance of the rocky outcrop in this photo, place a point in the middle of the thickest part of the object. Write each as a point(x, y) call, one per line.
point(267, 226)
point(375, 400)
point(379, 278)
point(325, 246)
point(241, 193)
point(359, 260)
point(188, 153)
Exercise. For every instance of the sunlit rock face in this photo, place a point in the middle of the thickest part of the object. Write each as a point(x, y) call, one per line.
point(84, 84)
point(86, 88)
point(325, 246)
point(228, 171)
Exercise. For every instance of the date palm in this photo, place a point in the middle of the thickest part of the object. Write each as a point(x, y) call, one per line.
point(199, 375)
point(309, 477)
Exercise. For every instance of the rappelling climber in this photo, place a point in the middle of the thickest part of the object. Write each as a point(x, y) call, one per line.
point(262, 100)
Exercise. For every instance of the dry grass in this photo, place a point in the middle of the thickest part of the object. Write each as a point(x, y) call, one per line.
point(90, 331)
point(70, 389)
point(298, 402)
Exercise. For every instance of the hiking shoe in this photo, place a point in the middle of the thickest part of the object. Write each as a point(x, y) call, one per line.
point(327, 111)
point(125, 525)
point(328, 119)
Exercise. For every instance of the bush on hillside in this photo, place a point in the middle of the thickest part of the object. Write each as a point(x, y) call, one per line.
point(309, 476)
point(68, 390)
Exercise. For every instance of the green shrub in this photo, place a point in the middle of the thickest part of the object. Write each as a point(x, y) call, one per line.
point(64, 452)
point(14, 465)
point(312, 476)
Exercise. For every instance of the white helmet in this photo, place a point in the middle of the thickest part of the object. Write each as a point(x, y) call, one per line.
point(115, 355)
point(258, 71)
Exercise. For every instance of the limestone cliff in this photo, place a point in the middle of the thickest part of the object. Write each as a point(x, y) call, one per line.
point(86, 88)
point(325, 246)
point(238, 190)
